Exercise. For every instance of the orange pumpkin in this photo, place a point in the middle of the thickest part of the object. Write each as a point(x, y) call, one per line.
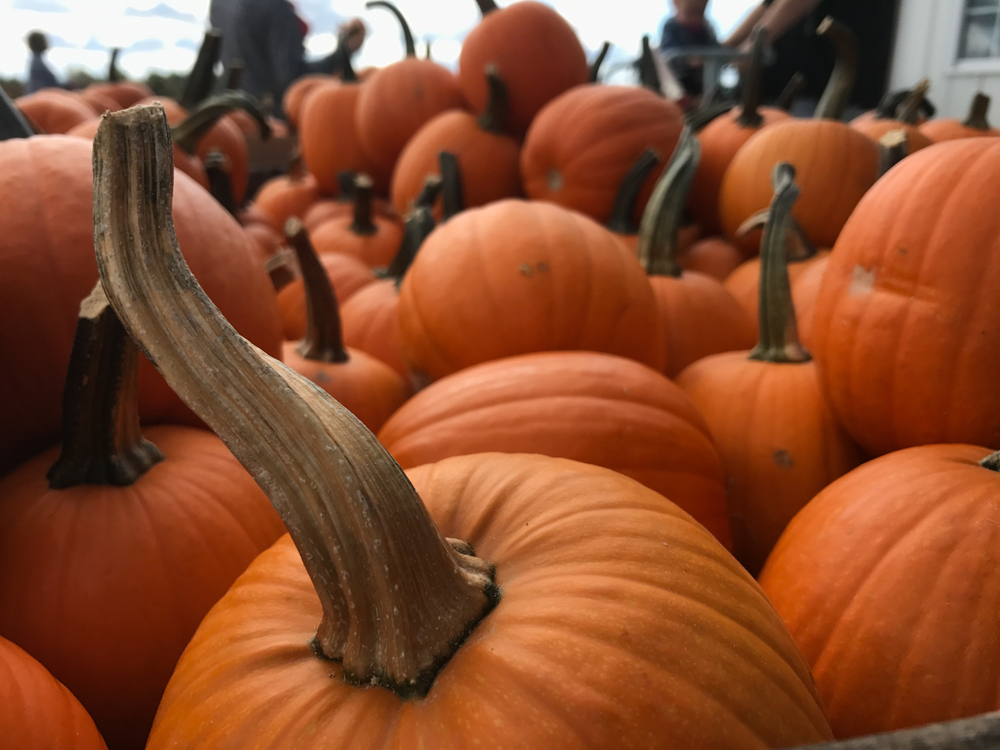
point(805, 291)
point(126, 93)
point(54, 111)
point(281, 198)
point(371, 238)
point(889, 581)
point(581, 145)
point(712, 256)
point(295, 95)
point(975, 124)
point(347, 274)
point(780, 444)
point(328, 135)
point(905, 118)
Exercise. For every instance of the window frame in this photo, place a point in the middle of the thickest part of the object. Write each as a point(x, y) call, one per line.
point(967, 66)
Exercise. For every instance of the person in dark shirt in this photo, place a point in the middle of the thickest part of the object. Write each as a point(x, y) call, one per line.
point(39, 74)
point(791, 25)
point(687, 27)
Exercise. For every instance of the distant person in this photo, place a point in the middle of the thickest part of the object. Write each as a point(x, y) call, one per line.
point(687, 27)
point(40, 76)
point(791, 26)
point(269, 39)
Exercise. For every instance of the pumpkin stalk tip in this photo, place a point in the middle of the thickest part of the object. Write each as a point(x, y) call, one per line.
point(350, 510)
point(361, 222)
point(978, 110)
point(452, 197)
point(487, 6)
point(623, 209)
point(494, 117)
point(838, 89)
point(749, 117)
point(13, 124)
point(411, 46)
point(991, 462)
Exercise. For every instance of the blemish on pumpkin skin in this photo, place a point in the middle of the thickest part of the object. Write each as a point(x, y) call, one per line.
point(862, 281)
point(554, 180)
point(783, 459)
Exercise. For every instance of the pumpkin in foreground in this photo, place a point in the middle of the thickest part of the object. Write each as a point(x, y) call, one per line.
point(592, 614)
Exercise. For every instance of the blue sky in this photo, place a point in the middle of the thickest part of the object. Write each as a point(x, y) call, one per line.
point(164, 34)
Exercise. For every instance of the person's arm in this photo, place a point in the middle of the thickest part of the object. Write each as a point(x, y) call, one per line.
point(742, 32)
point(285, 47)
point(783, 14)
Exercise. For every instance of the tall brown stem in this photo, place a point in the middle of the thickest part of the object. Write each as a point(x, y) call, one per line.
point(623, 209)
point(909, 109)
point(838, 89)
point(101, 439)
point(201, 79)
point(411, 46)
point(980, 107)
point(361, 223)
point(749, 116)
point(188, 134)
point(649, 76)
point(419, 224)
point(595, 67)
point(779, 334)
point(974, 733)
point(452, 197)
point(487, 6)
point(494, 117)
point(661, 220)
point(219, 184)
point(12, 123)
point(396, 597)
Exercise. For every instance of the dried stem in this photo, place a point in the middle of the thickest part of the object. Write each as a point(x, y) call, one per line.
point(101, 441)
point(975, 733)
point(452, 197)
point(494, 117)
point(838, 89)
point(201, 80)
point(114, 74)
point(649, 76)
point(487, 6)
point(219, 183)
point(893, 147)
point(361, 193)
point(623, 209)
point(419, 224)
point(908, 111)
point(980, 107)
point(411, 46)
point(792, 91)
point(235, 75)
point(189, 133)
point(798, 247)
point(749, 116)
point(396, 597)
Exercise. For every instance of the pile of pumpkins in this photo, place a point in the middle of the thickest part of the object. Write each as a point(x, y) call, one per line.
point(710, 407)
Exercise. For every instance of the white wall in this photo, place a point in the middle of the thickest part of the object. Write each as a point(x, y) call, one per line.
point(926, 46)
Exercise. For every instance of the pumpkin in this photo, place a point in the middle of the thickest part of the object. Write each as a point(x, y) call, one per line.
point(723, 137)
point(905, 314)
point(367, 387)
point(54, 111)
point(113, 548)
point(99, 102)
point(347, 274)
point(889, 580)
point(835, 165)
point(295, 95)
point(805, 291)
point(905, 118)
point(342, 204)
point(39, 712)
point(579, 606)
point(283, 197)
point(46, 242)
point(581, 145)
point(779, 441)
point(597, 408)
point(699, 317)
point(515, 277)
point(371, 238)
point(975, 124)
point(397, 100)
point(535, 51)
point(125, 93)
point(488, 158)
point(712, 256)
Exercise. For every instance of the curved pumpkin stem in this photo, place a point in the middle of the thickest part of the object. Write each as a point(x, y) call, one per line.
point(838, 89)
point(411, 46)
point(452, 198)
point(201, 79)
point(324, 341)
point(657, 247)
point(792, 91)
point(779, 334)
point(628, 193)
point(893, 147)
point(419, 224)
point(188, 133)
point(219, 184)
point(798, 247)
point(487, 6)
point(649, 76)
point(494, 117)
point(910, 108)
point(749, 116)
point(595, 67)
point(361, 193)
point(978, 110)
point(12, 123)
point(353, 515)
point(101, 439)
point(114, 74)
point(702, 116)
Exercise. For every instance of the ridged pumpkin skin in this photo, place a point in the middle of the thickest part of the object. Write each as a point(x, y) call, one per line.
point(805, 291)
point(582, 144)
point(780, 444)
point(39, 713)
point(536, 52)
point(106, 585)
point(489, 162)
point(834, 166)
point(907, 328)
point(55, 111)
point(889, 580)
point(517, 277)
point(396, 101)
point(47, 249)
point(720, 141)
point(347, 274)
point(370, 320)
point(328, 136)
point(596, 408)
point(623, 624)
point(744, 282)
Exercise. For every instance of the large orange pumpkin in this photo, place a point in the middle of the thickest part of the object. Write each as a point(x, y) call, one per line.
point(975, 124)
point(54, 111)
point(580, 609)
point(328, 135)
point(889, 581)
point(905, 331)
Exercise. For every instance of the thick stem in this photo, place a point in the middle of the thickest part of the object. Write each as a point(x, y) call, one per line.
point(114, 74)
point(595, 67)
point(749, 116)
point(649, 77)
point(699, 118)
point(628, 193)
point(324, 341)
point(779, 334)
point(345, 181)
point(201, 80)
point(101, 439)
point(411, 46)
point(487, 6)
point(798, 247)
point(494, 117)
point(838, 89)
point(397, 598)
point(12, 123)
point(910, 108)
point(893, 147)
point(188, 133)
point(792, 91)
point(429, 192)
point(452, 198)
point(419, 224)
point(657, 248)
point(235, 75)
point(975, 733)
point(980, 107)
point(219, 183)
point(362, 224)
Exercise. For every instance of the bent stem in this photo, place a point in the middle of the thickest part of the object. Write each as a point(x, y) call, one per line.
point(397, 598)
point(202, 77)
point(749, 117)
point(188, 134)
point(419, 224)
point(411, 46)
point(324, 341)
point(494, 117)
point(452, 199)
point(623, 209)
point(798, 247)
point(219, 183)
point(102, 442)
point(657, 246)
point(980, 107)
point(649, 76)
point(792, 91)
point(838, 88)
point(12, 123)
point(361, 193)
point(594, 71)
point(910, 107)
point(779, 334)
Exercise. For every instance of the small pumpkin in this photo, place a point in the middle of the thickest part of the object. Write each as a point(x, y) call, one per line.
point(975, 124)
point(54, 111)
point(713, 256)
point(904, 118)
point(372, 239)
